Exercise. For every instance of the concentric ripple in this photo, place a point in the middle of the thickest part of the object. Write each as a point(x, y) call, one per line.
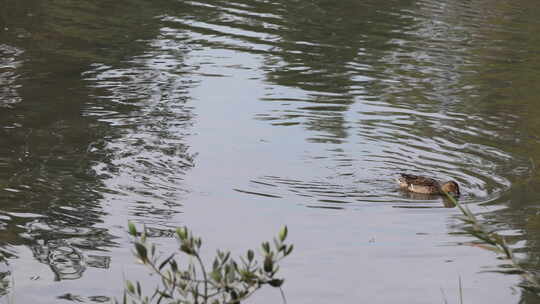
point(237, 116)
point(390, 100)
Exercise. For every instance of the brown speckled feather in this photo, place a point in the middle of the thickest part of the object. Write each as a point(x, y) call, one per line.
point(419, 184)
point(426, 185)
point(419, 180)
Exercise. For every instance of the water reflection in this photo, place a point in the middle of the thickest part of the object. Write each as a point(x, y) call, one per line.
point(320, 104)
point(378, 91)
point(148, 157)
point(374, 97)
point(65, 261)
point(50, 192)
point(8, 75)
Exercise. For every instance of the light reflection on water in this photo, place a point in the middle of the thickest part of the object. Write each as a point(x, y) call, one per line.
point(237, 117)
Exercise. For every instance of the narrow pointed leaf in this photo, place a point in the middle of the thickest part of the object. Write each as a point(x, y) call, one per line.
point(283, 233)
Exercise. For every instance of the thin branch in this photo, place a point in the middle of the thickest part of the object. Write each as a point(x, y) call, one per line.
point(460, 291)
point(496, 240)
point(283, 295)
point(203, 270)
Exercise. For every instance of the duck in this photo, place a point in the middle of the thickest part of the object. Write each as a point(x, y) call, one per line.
point(426, 185)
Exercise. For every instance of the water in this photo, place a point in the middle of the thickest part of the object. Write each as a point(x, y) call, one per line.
point(237, 117)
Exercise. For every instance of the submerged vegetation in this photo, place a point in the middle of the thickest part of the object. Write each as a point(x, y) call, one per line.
point(228, 281)
point(496, 243)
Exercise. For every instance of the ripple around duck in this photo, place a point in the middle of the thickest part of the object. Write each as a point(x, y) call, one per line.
point(388, 141)
point(391, 98)
point(401, 107)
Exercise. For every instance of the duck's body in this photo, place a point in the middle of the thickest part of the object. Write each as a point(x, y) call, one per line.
point(426, 185)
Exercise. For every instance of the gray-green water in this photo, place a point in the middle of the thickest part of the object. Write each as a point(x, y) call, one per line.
point(236, 117)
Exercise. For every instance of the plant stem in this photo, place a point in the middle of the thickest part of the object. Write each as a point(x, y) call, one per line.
point(496, 240)
point(203, 270)
point(460, 292)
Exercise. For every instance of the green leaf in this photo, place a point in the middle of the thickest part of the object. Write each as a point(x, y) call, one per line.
point(182, 233)
point(130, 287)
point(187, 249)
point(216, 275)
point(276, 282)
point(132, 229)
point(268, 264)
point(283, 233)
point(141, 252)
point(266, 247)
point(227, 279)
point(289, 250)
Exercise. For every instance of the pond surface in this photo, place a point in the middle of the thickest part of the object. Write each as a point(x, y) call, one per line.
point(238, 117)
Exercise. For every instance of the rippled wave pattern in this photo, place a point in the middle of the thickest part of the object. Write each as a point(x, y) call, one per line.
point(148, 155)
point(227, 109)
point(390, 100)
point(8, 75)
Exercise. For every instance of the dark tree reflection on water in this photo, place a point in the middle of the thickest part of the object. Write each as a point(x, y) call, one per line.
point(96, 111)
point(53, 130)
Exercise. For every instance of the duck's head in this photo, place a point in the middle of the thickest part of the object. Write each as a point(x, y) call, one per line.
point(451, 187)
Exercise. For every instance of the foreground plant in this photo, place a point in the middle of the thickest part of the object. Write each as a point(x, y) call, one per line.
point(228, 281)
point(495, 242)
